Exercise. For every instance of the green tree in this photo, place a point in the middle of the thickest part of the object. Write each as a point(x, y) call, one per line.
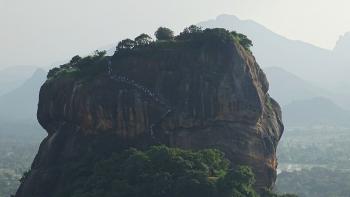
point(190, 33)
point(193, 29)
point(237, 183)
point(242, 39)
point(125, 44)
point(164, 33)
point(156, 172)
point(75, 59)
point(98, 53)
point(143, 40)
point(269, 193)
point(52, 72)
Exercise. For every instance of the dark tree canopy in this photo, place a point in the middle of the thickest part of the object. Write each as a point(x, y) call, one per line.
point(161, 171)
point(143, 39)
point(190, 32)
point(238, 183)
point(75, 59)
point(98, 53)
point(164, 33)
point(242, 39)
point(193, 29)
point(125, 44)
point(52, 72)
point(192, 37)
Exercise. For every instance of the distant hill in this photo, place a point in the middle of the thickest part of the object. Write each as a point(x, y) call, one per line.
point(13, 77)
point(286, 87)
point(274, 50)
point(303, 103)
point(314, 112)
point(324, 67)
point(20, 105)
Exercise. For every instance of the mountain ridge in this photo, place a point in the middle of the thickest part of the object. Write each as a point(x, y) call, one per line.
point(20, 104)
point(303, 59)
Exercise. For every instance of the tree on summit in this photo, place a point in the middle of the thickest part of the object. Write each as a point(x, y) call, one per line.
point(164, 33)
point(242, 39)
point(143, 40)
point(190, 32)
point(192, 29)
point(75, 59)
point(125, 44)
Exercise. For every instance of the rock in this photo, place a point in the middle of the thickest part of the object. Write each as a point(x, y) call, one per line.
point(194, 97)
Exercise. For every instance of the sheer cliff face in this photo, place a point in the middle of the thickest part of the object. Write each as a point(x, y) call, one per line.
point(194, 98)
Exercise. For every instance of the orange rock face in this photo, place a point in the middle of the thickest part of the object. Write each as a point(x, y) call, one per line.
point(193, 98)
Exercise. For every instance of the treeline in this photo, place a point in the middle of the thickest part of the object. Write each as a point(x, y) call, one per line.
point(315, 182)
point(191, 33)
point(160, 171)
point(18, 146)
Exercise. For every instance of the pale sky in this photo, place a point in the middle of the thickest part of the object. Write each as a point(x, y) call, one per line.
point(42, 32)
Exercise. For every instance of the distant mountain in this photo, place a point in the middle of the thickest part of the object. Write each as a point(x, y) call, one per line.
point(13, 77)
point(314, 112)
point(320, 66)
point(286, 87)
point(20, 105)
point(343, 45)
point(303, 103)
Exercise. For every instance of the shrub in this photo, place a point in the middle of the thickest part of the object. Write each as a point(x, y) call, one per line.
point(164, 34)
point(143, 40)
point(242, 39)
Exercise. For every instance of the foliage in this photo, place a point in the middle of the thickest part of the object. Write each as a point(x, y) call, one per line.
point(191, 37)
point(189, 33)
point(99, 54)
point(315, 161)
point(161, 171)
point(126, 44)
point(52, 72)
point(269, 193)
point(143, 40)
point(164, 34)
point(75, 59)
point(316, 182)
point(237, 183)
point(242, 39)
point(216, 35)
point(317, 146)
point(87, 66)
point(18, 145)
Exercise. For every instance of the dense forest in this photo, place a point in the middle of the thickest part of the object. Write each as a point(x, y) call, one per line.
point(315, 182)
point(161, 171)
point(18, 146)
point(314, 162)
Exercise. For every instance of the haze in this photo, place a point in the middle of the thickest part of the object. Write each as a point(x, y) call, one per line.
point(44, 32)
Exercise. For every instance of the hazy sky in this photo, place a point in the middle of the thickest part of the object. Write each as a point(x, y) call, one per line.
point(42, 32)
